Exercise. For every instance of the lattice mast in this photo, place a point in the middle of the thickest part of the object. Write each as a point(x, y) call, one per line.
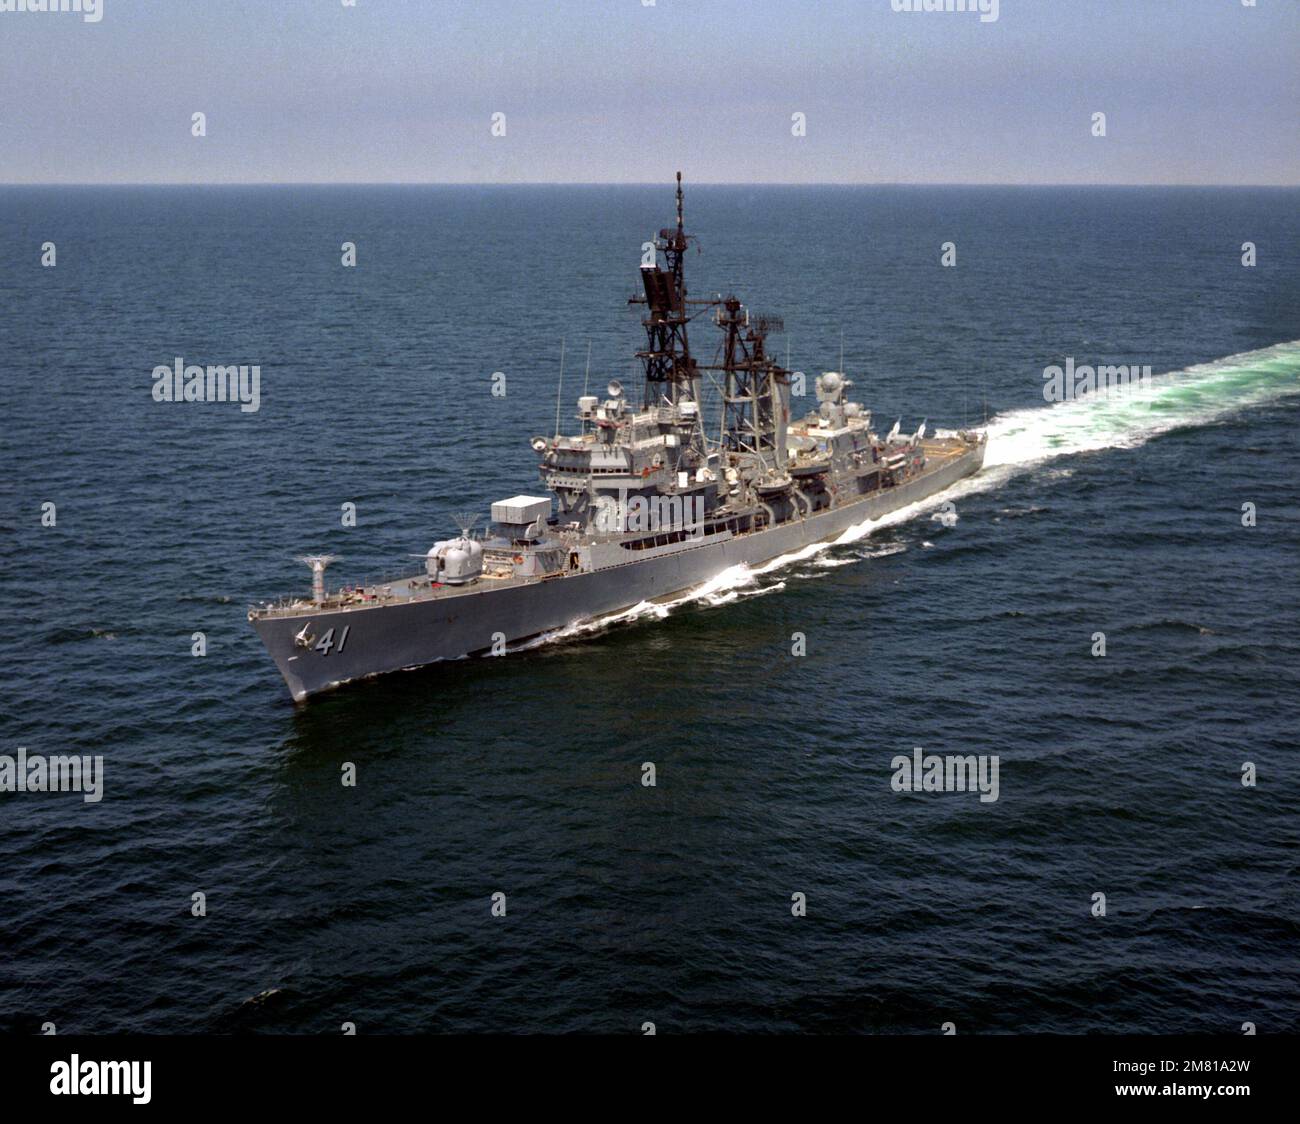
point(756, 397)
point(671, 375)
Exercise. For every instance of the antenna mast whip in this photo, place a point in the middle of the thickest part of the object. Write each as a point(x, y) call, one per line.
point(559, 388)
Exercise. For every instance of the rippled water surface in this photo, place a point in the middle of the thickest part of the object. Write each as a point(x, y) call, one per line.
point(966, 629)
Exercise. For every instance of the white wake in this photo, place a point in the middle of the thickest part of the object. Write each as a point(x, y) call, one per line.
point(1019, 440)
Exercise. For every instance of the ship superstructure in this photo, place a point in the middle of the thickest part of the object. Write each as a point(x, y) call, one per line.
point(642, 503)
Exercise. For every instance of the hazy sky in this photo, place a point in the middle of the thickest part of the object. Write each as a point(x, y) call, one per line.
point(1194, 91)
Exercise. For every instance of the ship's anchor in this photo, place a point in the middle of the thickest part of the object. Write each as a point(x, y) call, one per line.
point(305, 639)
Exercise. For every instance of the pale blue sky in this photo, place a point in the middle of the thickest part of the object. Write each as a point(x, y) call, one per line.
point(1195, 91)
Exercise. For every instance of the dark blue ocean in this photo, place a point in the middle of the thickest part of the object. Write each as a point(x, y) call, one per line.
point(967, 630)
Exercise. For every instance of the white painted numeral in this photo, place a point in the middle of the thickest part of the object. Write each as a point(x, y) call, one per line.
point(326, 642)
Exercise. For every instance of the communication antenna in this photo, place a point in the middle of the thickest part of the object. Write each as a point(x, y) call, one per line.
point(559, 387)
point(587, 377)
point(841, 351)
point(318, 562)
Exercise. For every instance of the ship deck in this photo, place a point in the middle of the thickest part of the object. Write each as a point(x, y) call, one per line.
point(405, 588)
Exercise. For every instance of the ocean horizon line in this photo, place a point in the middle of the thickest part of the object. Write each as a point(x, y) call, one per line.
point(647, 183)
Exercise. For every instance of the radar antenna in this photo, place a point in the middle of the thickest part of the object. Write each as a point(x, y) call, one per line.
point(465, 520)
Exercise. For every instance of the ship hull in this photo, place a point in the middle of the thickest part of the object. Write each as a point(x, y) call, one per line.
point(392, 637)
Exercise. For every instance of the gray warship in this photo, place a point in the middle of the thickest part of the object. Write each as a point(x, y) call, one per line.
point(643, 505)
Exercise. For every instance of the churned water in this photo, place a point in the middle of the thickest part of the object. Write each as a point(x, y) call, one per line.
point(963, 626)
